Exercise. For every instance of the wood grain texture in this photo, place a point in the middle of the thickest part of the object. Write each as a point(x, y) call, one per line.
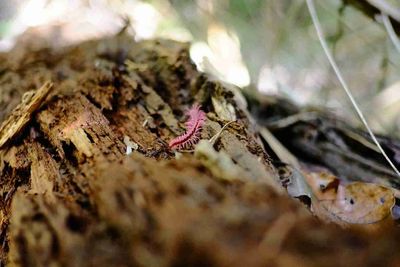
point(21, 115)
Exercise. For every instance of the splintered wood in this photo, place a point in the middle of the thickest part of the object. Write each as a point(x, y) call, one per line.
point(22, 114)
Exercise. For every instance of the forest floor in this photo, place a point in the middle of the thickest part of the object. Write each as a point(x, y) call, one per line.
point(71, 196)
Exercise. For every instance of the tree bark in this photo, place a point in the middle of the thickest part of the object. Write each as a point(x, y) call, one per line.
point(71, 196)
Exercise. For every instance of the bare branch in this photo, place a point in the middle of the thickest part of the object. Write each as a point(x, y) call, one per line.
point(389, 28)
point(374, 8)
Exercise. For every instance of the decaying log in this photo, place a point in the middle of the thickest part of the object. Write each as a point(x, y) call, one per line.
point(320, 140)
point(71, 196)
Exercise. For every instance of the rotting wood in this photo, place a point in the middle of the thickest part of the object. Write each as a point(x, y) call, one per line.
point(70, 196)
point(21, 115)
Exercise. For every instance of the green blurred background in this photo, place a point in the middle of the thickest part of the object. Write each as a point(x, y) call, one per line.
point(270, 45)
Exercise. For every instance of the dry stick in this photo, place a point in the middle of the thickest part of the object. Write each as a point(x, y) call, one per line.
point(385, 7)
point(389, 28)
point(318, 28)
point(213, 139)
point(217, 135)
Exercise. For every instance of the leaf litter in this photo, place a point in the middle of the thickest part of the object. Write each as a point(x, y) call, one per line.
point(353, 203)
point(336, 201)
point(330, 198)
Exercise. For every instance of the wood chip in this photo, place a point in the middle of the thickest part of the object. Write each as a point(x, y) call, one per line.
point(22, 114)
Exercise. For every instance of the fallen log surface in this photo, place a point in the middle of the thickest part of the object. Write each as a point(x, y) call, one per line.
point(70, 195)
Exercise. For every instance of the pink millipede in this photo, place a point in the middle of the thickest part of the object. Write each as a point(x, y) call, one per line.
point(194, 125)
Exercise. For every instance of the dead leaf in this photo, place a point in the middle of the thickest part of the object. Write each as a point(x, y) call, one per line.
point(323, 184)
point(294, 182)
point(354, 203)
point(361, 203)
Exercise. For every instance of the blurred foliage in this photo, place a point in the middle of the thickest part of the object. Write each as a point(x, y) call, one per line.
point(4, 25)
point(7, 10)
point(277, 39)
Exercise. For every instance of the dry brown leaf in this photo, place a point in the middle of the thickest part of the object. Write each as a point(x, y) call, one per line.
point(323, 185)
point(354, 203)
point(361, 203)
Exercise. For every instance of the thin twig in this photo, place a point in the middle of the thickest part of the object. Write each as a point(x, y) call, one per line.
point(289, 120)
point(318, 28)
point(386, 8)
point(216, 136)
point(392, 34)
